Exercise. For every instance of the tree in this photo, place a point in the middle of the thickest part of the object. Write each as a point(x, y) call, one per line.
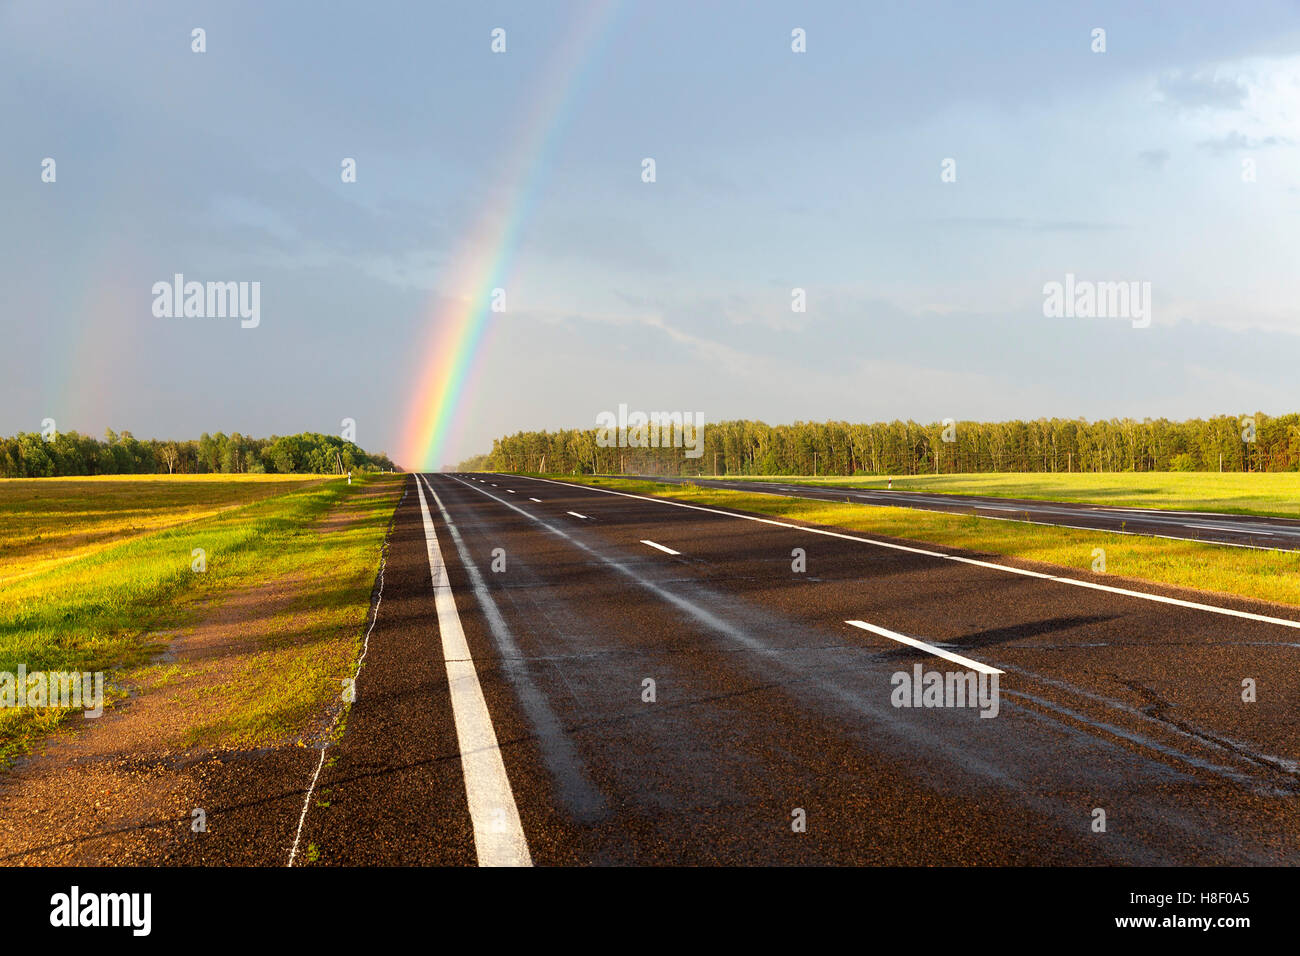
point(170, 454)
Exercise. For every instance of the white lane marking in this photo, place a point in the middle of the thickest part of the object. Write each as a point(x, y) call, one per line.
point(1116, 531)
point(494, 484)
point(1074, 582)
point(557, 746)
point(928, 648)
point(743, 638)
point(1170, 511)
point(660, 547)
point(1151, 514)
point(538, 500)
point(498, 835)
point(511, 490)
point(1222, 527)
point(576, 515)
point(1135, 534)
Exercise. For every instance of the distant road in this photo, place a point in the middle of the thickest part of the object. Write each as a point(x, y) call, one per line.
point(1245, 531)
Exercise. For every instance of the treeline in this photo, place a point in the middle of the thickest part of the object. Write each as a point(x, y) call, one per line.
point(32, 455)
point(1255, 442)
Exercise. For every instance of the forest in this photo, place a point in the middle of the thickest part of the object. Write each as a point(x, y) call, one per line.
point(33, 455)
point(1254, 442)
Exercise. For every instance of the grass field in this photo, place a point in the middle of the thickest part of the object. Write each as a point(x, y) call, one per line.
point(49, 521)
point(99, 574)
point(1264, 575)
point(1266, 493)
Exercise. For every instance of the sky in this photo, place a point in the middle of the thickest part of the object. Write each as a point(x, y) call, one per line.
point(1172, 158)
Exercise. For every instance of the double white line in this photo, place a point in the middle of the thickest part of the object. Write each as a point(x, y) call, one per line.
point(498, 835)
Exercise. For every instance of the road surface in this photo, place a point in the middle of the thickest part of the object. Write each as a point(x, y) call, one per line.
point(1250, 531)
point(568, 675)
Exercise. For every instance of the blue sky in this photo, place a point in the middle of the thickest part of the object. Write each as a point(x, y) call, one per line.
point(775, 170)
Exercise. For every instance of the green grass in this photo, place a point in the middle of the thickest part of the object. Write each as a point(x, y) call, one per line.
point(109, 606)
point(49, 521)
point(1266, 493)
point(309, 643)
point(1264, 575)
point(1262, 493)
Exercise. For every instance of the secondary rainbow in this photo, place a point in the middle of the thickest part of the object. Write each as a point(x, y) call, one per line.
point(458, 330)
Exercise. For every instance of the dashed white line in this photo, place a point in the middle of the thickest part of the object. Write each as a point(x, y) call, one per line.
point(960, 559)
point(576, 515)
point(928, 648)
point(498, 835)
point(659, 546)
point(538, 500)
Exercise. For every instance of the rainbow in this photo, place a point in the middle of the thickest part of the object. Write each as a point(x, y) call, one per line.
point(457, 330)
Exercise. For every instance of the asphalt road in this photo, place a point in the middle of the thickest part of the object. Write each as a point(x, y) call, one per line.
point(1234, 529)
point(564, 675)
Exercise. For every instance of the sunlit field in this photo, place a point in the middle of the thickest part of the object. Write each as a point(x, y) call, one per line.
point(100, 574)
point(46, 521)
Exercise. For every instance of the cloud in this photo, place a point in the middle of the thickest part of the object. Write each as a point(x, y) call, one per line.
point(1029, 225)
point(1154, 158)
point(1202, 90)
point(1236, 140)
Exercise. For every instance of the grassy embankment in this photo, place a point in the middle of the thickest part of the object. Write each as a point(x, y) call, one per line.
point(97, 574)
point(1264, 575)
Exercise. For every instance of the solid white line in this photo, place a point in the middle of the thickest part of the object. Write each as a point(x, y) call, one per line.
point(660, 547)
point(576, 515)
point(1221, 527)
point(498, 835)
point(929, 648)
point(302, 818)
point(1074, 582)
point(926, 504)
point(559, 752)
point(538, 500)
point(1135, 534)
